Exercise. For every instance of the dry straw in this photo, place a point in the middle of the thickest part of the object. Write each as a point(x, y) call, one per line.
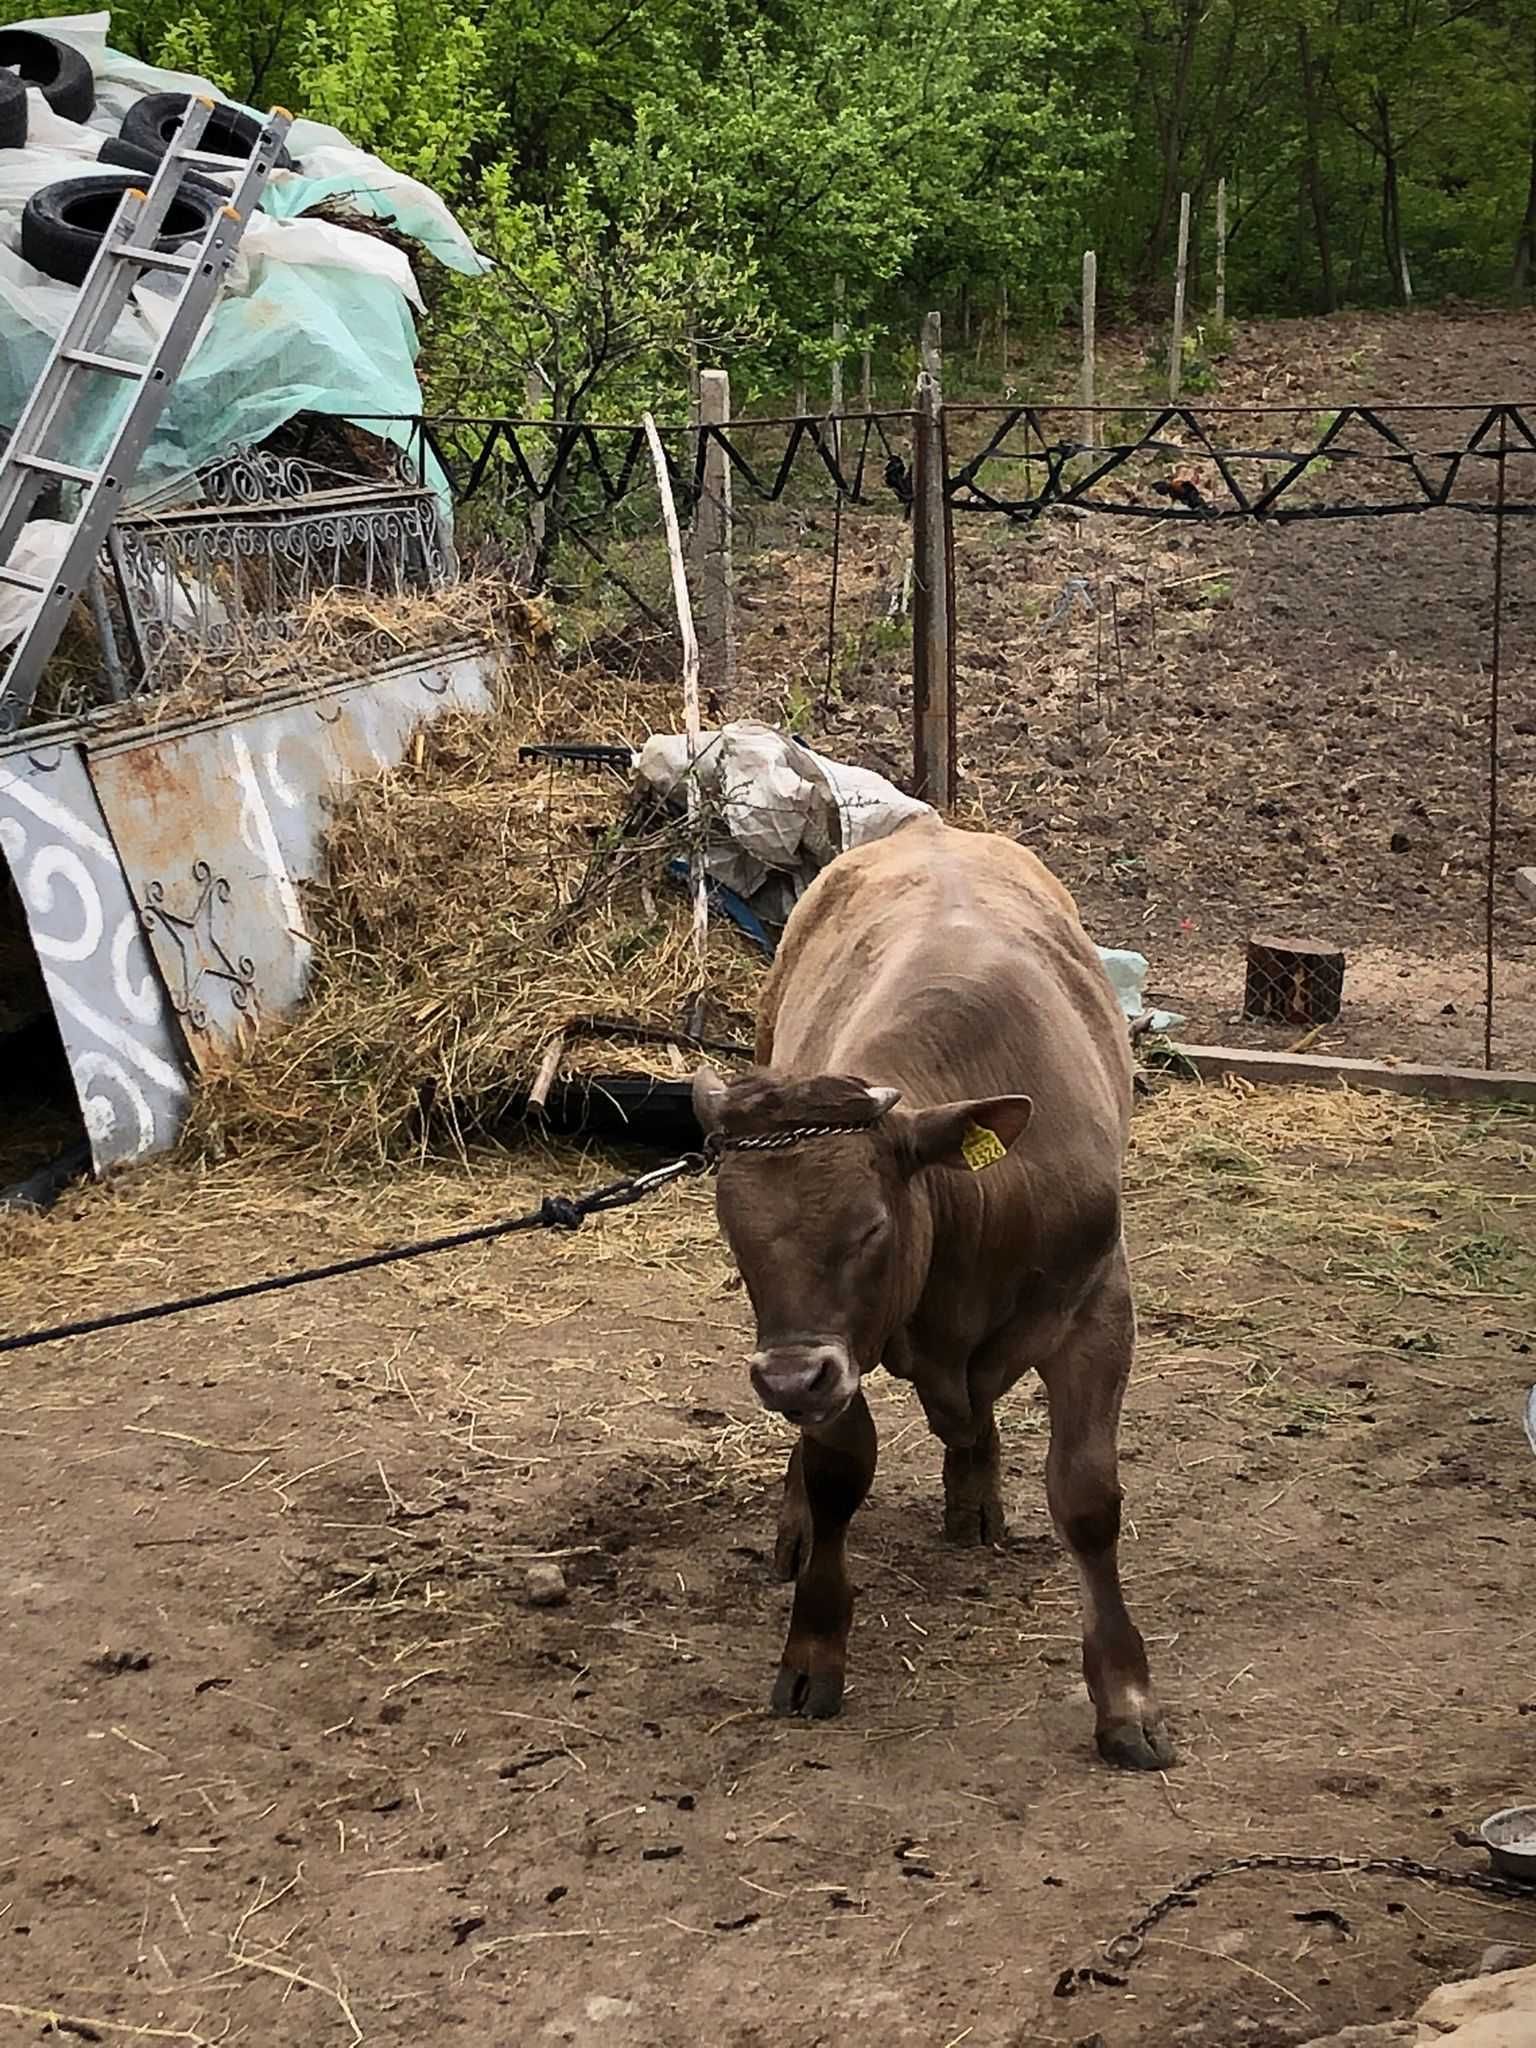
point(475, 903)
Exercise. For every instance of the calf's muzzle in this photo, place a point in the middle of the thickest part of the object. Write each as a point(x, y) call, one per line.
point(810, 1381)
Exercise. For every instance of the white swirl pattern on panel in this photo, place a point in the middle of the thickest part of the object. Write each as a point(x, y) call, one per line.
point(130, 956)
point(53, 864)
point(96, 1074)
point(125, 1053)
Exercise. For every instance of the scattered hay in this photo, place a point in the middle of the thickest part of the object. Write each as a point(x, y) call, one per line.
point(339, 630)
point(476, 903)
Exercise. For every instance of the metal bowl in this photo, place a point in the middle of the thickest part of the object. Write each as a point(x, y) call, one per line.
point(1510, 1839)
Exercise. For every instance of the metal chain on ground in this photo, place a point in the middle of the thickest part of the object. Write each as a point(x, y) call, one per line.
point(1124, 1949)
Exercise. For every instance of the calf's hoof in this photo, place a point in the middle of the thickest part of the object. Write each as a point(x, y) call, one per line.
point(974, 1524)
point(813, 1695)
point(1138, 1743)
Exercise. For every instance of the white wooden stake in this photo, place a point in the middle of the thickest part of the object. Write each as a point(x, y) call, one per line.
point(1221, 251)
point(867, 380)
point(1181, 272)
point(690, 695)
point(1086, 433)
point(1002, 317)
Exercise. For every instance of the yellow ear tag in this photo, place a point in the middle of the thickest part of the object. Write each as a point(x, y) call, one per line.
point(981, 1147)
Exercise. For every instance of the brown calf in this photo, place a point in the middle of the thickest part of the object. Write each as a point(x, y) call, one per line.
point(961, 1226)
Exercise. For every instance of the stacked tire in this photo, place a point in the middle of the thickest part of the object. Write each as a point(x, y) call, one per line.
point(62, 226)
point(50, 67)
point(13, 112)
point(150, 124)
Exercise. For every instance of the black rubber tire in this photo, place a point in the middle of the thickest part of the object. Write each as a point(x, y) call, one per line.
point(62, 225)
point(13, 111)
point(151, 123)
point(146, 162)
point(59, 72)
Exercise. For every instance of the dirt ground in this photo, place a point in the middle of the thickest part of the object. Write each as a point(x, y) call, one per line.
point(1215, 731)
point(289, 1759)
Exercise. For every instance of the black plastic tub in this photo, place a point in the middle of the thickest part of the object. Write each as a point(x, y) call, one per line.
point(634, 1109)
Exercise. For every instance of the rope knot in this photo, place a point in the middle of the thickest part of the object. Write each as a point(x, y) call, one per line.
point(559, 1212)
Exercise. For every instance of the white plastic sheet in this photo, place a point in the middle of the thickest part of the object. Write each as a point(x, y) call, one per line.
point(314, 317)
point(786, 811)
point(38, 552)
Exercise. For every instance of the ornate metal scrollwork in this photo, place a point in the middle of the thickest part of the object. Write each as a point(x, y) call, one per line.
point(199, 953)
point(274, 533)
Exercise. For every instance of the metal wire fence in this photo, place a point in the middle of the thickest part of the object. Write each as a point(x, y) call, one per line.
point(1252, 679)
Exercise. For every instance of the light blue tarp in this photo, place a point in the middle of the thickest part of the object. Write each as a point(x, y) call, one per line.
point(316, 317)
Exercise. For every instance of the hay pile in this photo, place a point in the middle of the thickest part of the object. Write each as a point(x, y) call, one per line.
point(339, 630)
point(474, 905)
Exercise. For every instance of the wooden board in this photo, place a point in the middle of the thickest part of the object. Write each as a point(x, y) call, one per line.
point(1447, 1084)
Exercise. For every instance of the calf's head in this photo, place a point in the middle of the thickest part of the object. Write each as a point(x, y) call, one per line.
point(820, 1228)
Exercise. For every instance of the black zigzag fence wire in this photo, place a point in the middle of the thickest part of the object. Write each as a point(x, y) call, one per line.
point(1288, 477)
point(1352, 448)
point(549, 491)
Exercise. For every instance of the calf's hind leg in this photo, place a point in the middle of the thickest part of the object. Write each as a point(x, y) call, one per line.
point(831, 1472)
point(973, 1483)
point(1085, 1381)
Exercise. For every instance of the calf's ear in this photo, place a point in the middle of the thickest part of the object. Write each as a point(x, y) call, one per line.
point(708, 1094)
point(968, 1137)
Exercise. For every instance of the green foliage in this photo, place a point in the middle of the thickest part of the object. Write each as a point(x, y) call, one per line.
point(648, 172)
point(400, 79)
point(602, 290)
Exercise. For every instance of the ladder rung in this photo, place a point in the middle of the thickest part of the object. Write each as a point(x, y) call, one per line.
point(91, 359)
point(208, 160)
point(22, 581)
point(153, 259)
point(70, 472)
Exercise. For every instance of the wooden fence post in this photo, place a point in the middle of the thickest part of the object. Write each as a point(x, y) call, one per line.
point(535, 402)
point(867, 379)
point(1181, 272)
point(836, 393)
point(1002, 315)
point(1221, 251)
point(709, 546)
point(932, 688)
point(1086, 433)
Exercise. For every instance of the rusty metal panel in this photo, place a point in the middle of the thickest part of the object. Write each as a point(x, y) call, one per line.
point(126, 1055)
point(219, 822)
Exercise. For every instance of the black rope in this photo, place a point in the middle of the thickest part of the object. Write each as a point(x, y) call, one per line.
point(555, 1212)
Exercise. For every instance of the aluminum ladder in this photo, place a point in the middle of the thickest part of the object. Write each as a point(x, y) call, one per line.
point(32, 460)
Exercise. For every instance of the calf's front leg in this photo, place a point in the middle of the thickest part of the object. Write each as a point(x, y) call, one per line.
point(1085, 1381)
point(829, 1476)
